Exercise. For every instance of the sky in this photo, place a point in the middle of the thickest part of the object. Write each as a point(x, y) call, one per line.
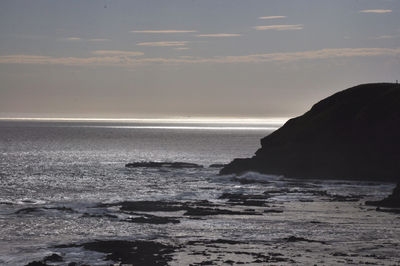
point(190, 58)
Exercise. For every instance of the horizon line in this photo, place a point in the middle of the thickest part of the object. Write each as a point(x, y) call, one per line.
point(194, 120)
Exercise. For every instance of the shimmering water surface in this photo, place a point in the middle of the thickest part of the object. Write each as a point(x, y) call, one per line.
point(61, 183)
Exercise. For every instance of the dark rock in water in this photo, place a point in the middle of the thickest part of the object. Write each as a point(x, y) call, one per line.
point(27, 210)
point(195, 208)
point(217, 165)
point(36, 263)
point(152, 219)
point(302, 239)
point(136, 253)
point(353, 134)
point(273, 211)
point(215, 241)
point(198, 211)
point(163, 164)
point(392, 201)
point(30, 210)
point(147, 206)
point(53, 258)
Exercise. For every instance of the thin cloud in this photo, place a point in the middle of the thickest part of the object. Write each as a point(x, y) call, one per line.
point(271, 17)
point(162, 44)
point(314, 54)
point(117, 53)
point(120, 61)
point(83, 39)
point(72, 39)
point(181, 48)
point(67, 61)
point(280, 27)
point(98, 40)
point(376, 11)
point(382, 37)
point(218, 35)
point(163, 31)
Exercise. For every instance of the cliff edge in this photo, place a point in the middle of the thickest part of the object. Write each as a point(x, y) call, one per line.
point(353, 134)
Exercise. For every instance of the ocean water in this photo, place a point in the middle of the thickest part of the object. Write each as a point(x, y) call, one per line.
point(64, 183)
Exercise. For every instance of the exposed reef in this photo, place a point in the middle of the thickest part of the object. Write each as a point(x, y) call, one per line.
point(163, 164)
point(130, 252)
point(353, 134)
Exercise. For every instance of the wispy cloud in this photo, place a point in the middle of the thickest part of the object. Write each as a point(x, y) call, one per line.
point(121, 61)
point(67, 61)
point(162, 44)
point(313, 54)
point(272, 17)
point(117, 53)
point(376, 11)
point(72, 39)
point(163, 31)
point(98, 40)
point(219, 35)
point(84, 39)
point(280, 27)
point(385, 37)
point(181, 48)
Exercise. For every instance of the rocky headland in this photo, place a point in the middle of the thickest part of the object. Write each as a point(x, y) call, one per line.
point(392, 201)
point(353, 134)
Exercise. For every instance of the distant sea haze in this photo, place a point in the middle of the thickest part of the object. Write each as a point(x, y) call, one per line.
point(203, 120)
point(198, 123)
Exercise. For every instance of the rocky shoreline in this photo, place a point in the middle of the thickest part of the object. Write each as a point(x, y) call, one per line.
point(234, 205)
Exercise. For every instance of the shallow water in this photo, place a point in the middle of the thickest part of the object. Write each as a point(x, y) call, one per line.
point(55, 176)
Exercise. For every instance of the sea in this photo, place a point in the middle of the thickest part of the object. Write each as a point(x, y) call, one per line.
point(64, 184)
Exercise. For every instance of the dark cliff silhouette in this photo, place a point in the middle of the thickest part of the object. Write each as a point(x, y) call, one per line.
point(392, 201)
point(353, 134)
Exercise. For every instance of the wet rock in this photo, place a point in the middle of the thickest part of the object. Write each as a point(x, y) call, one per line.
point(40, 209)
point(163, 164)
point(215, 241)
point(28, 210)
point(53, 258)
point(217, 165)
point(340, 254)
point(147, 206)
point(138, 253)
point(241, 197)
point(353, 134)
point(206, 262)
point(195, 208)
point(273, 211)
point(152, 219)
point(36, 263)
point(200, 211)
point(302, 239)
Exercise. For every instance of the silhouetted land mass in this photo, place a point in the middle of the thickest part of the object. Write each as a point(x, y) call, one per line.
point(392, 201)
point(353, 134)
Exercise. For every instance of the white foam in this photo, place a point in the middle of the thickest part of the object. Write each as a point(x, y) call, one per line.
point(254, 176)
